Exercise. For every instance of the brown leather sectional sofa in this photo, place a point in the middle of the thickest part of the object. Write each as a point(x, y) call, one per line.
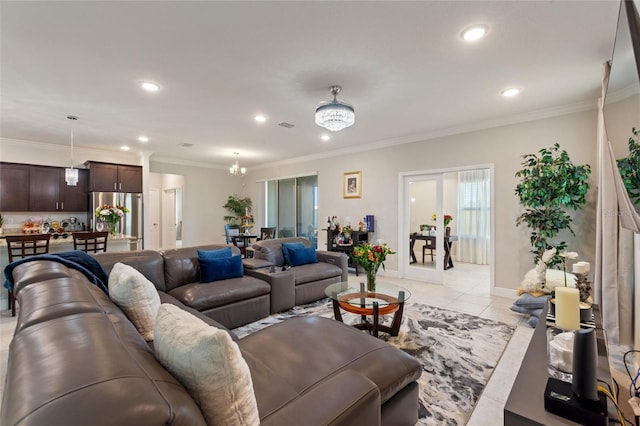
point(75, 358)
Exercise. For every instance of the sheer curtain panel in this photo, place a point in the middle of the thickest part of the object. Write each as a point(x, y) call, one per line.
point(474, 216)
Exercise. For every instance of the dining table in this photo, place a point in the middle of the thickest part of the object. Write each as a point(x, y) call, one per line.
point(448, 242)
point(246, 241)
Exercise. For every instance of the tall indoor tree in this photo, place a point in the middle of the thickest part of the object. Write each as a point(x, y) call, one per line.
point(550, 185)
point(237, 207)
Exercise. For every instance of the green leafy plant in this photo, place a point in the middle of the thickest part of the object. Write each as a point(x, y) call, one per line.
point(550, 185)
point(238, 207)
point(630, 168)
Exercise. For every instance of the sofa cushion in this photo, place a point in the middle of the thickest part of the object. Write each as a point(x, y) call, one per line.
point(316, 272)
point(181, 265)
point(286, 247)
point(309, 364)
point(148, 262)
point(209, 364)
point(215, 254)
point(302, 256)
point(216, 269)
point(136, 296)
point(271, 250)
point(207, 296)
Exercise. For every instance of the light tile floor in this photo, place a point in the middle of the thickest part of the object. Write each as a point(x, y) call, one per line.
point(465, 289)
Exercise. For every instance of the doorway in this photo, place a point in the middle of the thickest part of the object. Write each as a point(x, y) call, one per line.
point(447, 206)
point(165, 210)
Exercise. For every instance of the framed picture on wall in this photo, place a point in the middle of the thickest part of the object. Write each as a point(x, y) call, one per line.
point(352, 185)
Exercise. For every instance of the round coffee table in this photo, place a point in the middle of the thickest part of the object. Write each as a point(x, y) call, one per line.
point(386, 299)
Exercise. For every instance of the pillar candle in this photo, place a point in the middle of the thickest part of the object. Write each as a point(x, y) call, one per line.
point(580, 268)
point(567, 308)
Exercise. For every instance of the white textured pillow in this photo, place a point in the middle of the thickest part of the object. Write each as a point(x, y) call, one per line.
point(136, 296)
point(554, 278)
point(209, 365)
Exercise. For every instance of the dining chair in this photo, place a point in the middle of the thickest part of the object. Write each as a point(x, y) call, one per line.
point(429, 245)
point(93, 242)
point(21, 246)
point(267, 233)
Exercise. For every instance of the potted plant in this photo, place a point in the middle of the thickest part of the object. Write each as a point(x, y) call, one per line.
point(549, 185)
point(237, 207)
point(630, 169)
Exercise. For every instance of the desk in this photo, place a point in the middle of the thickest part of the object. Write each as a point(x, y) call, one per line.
point(246, 239)
point(448, 242)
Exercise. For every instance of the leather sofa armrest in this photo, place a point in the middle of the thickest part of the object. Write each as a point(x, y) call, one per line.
point(255, 263)
point(335, 258)
point(283, 291)
point(348, 398)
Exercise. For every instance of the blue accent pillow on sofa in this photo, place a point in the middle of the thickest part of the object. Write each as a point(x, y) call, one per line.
point(285, 251)
point(220, 269)
point(215, 254)
point(302, 256)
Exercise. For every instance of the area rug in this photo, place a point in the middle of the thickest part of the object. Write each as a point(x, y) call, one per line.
point(458, 353)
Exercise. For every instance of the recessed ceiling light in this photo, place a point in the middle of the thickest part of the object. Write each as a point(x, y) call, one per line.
point(510, 92)
point(475, 32)
point(260, 118)
point(125, 148)
point(325, 137)
point(143, 139)
point(150, 86)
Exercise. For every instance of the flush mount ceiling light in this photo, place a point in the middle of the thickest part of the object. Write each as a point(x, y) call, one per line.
point(143, 139)
point(150, 86)
point(475, 32)
point(335, 115)
point(510, 92)
point(325, 137)
point(236, 170)
point(260, 118)
point(71, 174)
point(125, 148)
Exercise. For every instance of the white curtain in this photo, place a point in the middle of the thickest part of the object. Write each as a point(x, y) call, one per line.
point(613, 277)
point(474, 217)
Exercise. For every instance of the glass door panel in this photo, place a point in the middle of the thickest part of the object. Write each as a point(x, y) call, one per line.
point(307, 208)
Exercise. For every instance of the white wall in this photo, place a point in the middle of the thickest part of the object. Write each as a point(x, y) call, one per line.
point(502, 146)
point(205, 192)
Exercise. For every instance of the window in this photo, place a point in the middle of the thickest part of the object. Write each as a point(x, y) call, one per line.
point(291, 206)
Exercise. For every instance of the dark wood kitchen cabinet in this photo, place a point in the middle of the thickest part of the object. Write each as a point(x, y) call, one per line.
point(48, 190)
point(27, 187)
point(107, 177)
point(14, 184)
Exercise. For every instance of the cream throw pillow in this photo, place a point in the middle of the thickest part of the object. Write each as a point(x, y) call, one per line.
point(136, 296)
point(209, 364)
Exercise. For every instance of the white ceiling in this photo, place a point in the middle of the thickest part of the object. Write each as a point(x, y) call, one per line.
point(402, 65)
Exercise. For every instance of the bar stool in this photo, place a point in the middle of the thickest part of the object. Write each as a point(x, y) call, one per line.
point(93, 242)
point(21, 246)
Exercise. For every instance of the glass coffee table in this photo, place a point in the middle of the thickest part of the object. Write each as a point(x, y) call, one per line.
point(386, 299)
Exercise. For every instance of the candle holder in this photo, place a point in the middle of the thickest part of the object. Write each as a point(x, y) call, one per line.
point(584, 287)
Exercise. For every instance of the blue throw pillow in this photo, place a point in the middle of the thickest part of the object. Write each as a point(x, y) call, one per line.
point(220, 269)
point(215, 254)
point(302, 256)
point(285, 250)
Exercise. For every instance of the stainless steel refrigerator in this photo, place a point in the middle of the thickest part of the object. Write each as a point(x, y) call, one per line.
point(131, 224)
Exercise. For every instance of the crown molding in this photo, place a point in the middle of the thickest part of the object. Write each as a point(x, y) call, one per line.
point(180, 162)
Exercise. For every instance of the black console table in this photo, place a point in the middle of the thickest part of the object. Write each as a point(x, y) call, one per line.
point(357, 238)
point(525, 405)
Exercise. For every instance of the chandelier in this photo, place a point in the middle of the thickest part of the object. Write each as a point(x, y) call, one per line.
point(71, 174)
point(335, 115)
point(236, 170)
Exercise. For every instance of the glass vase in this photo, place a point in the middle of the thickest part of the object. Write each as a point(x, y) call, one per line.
point(371, 279)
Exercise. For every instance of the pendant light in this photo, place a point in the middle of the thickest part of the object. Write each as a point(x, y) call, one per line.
point(235, 169)
point(71, 174)
point(335, 115)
